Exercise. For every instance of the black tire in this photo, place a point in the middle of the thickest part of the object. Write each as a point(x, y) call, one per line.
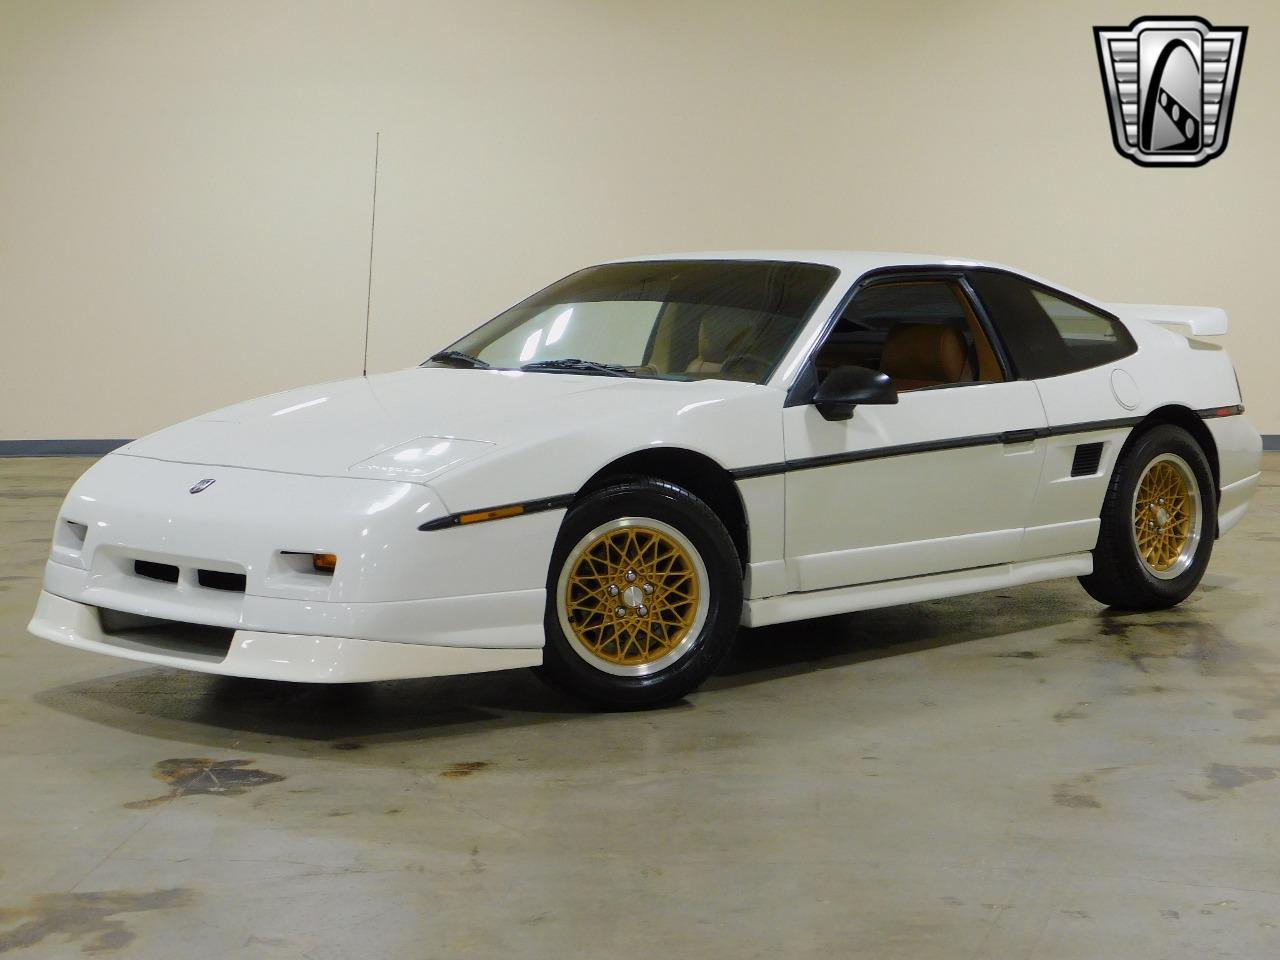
point(570, 665)
point(1121, 577)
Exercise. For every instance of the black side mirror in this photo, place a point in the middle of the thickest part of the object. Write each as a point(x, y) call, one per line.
point(846, 387)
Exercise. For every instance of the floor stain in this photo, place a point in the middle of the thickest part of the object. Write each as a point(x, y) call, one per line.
point(1177, 634)
point(1273, 741)
point(1262, 698)
point(1078, 791)
point(465, 769)
point(1113, 626)
point(1149, 688)
point(1078, 712)
point(87, 918)
point(1227, 777)
point(348, 745)
point(1020, 655)
point(1065, 798)
point(188, 776)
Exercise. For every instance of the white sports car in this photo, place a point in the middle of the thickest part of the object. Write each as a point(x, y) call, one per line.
point(610, 477)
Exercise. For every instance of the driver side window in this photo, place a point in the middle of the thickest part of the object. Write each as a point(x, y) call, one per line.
point(922, 333)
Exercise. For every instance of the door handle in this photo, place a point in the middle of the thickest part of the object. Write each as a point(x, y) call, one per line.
point(1019, 436)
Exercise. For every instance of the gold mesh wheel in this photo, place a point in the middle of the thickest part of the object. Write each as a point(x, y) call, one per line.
point(632, 596)
point(1166, 516)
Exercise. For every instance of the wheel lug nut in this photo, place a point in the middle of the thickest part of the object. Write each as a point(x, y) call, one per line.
point(620, 612)
point(613, 590)
point(648, 588)
point(631, 576)
point(642, 610)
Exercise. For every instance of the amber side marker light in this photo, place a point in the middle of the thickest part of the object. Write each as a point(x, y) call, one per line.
point(496, 514)
point(324, 562)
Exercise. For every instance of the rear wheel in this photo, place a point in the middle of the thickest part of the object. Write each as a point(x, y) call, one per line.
point(644, 596)
point(1158, 524)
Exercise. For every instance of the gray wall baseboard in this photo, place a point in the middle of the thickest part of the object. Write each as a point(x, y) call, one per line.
point(1271, 442)
point(58, 448)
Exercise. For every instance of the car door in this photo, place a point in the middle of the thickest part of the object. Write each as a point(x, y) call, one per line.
point(943, 479)
point(1079, 358)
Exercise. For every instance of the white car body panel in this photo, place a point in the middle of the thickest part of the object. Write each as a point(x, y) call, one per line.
point(837, 534)
point(357, 467)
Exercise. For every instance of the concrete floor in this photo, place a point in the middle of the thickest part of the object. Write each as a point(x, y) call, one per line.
point(1014, 775)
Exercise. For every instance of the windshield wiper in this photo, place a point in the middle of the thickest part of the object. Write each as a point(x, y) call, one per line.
point(574, 365)
point(457, 357)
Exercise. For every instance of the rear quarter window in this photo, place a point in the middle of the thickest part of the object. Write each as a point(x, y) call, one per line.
point(1047, 333)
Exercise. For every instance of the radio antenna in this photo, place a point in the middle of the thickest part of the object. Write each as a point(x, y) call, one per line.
point(373, 221)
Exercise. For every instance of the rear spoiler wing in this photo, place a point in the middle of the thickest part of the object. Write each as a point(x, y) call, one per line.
point(1190, 321)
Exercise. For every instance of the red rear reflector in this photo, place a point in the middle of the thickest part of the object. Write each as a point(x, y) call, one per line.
point(1222, 412)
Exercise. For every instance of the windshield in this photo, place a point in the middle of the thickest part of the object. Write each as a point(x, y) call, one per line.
point(675, 319)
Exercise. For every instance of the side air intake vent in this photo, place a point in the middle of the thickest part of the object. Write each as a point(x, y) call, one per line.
point(1087, 460)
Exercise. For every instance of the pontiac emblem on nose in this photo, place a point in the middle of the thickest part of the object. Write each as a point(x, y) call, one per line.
point(1171, 86)
point(202, 486)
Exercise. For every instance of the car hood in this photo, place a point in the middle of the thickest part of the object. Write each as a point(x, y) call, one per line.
point(409, 425)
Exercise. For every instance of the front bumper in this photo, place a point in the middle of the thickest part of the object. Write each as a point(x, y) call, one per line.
point(274, 656)
point(511, 618)
point(143, 569)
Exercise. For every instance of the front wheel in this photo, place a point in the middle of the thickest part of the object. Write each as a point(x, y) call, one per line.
point(644, 596)
point(1158, 524)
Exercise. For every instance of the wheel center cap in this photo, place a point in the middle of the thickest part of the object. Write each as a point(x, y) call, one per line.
point(1162, 516)
point(633, 596)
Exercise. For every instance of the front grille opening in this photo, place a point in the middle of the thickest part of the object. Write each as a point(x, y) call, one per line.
point(165, 572)
point(194, 641)
point(221, 580)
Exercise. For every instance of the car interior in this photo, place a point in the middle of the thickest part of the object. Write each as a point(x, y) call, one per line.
point(706, 341)
point(922, 333)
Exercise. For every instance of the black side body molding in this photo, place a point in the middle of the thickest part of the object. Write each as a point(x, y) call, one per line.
point(562, 501)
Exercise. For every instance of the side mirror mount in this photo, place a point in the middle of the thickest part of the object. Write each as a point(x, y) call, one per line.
point(845, 387)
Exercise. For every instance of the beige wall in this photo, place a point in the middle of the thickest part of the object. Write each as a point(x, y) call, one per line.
point(184, 187)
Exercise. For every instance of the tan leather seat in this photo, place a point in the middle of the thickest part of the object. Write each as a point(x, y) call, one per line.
point(720, 336)
point(924, 355)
